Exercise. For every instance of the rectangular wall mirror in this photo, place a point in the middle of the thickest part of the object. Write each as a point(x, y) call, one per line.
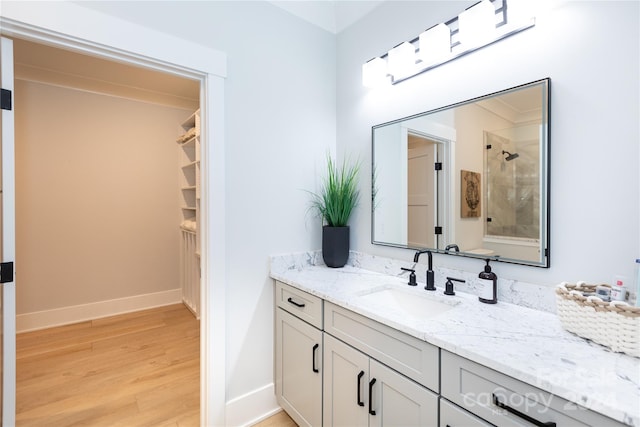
point(470, 179)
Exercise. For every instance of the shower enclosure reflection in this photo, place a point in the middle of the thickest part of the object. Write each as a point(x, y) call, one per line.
point(512, 196)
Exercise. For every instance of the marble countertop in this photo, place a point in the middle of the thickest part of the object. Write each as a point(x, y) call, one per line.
point(526, 344)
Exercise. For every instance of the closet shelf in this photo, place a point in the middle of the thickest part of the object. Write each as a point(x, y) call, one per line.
point(189, 190)
point(189, 142)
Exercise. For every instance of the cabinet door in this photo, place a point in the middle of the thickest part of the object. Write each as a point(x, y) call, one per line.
point(346, 380)
point(299, 369)
point(452, 416)
point(397, 401)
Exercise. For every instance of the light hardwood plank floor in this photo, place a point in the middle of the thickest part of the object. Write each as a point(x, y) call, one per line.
point(136, 369)
point(281, 419)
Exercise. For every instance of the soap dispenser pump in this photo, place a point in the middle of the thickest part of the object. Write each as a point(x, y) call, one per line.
point(488, 289)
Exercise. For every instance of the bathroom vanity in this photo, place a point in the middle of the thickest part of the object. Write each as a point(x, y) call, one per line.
point(358, 347)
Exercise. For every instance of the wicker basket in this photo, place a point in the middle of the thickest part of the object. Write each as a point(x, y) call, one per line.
point(613, 324)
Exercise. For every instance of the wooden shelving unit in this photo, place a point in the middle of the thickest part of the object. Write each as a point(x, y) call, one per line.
point(189, 143)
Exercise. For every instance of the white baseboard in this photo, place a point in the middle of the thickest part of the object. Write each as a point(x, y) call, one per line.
point(80, 313)
point(252, 407)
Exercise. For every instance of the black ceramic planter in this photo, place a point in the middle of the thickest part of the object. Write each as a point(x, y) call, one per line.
point(335, 246)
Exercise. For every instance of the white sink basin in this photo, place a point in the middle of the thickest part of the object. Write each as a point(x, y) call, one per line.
point(412, 304)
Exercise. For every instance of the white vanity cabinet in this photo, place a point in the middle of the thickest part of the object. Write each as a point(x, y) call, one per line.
point(452, 416)
point(346, 378)
point(298, 355)
point(505, 401)
point(359, 391)
point(335, 367)
point(375, 375)
point(410, 356)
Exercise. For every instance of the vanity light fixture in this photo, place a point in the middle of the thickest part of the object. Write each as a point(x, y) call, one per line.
point(479, 25)
point(434, 44)
point(402, 60)
point(375, 74)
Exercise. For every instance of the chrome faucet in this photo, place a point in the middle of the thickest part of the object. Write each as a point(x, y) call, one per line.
point(430, 276)
point(452, 246)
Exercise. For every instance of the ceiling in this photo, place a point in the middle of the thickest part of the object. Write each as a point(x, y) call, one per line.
point(46, 64)
point(331, 15)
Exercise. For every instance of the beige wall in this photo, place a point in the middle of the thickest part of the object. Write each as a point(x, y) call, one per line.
point(96, 197)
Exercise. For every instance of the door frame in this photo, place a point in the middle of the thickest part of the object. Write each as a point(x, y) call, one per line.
point(79, 29)
point(7, 202)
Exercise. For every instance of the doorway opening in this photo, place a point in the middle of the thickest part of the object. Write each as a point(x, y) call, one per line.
point(101, 196)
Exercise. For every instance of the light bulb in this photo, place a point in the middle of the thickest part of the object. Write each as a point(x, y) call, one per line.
point(374, 73)
point(477, 25)
point(435, 44)
point(402, 61)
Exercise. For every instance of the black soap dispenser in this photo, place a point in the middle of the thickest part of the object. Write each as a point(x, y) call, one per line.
point(488, 289)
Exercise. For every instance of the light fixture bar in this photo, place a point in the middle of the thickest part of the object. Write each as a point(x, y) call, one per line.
point(431, 57)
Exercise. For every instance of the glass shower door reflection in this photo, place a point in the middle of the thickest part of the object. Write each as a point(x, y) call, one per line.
point(512, 185)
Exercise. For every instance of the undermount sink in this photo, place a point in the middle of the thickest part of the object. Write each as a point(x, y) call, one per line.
point(410, 303)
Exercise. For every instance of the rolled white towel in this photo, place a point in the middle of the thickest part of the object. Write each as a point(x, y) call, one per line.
point(189, 225)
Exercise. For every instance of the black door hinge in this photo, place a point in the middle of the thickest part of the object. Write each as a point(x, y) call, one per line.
point(438, 166)
point(488, 146)
point(6, 272)
point(5, 99)
point(488, 219)
point(438, 230)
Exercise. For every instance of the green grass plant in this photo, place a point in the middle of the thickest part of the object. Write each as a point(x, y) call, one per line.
point(339, 194)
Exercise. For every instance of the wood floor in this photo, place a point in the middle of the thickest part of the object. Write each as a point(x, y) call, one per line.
point(281, 419)
point(138, 369)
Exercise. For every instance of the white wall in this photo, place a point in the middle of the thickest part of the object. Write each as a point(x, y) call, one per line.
point(93, 172)
point(594, 120)
point(280, 122)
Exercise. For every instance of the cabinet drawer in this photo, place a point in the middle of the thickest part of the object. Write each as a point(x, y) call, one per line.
point(408, 355)
point(505, 401)
point(452, 416)
point(299, 303)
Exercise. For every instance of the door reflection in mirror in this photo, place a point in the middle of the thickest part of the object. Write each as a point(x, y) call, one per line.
point(411, 191)
point(422, 155)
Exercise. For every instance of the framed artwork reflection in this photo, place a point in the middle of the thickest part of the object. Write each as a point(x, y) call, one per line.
point(469, 194)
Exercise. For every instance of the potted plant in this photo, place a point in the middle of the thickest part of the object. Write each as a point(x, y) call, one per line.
point(335, 202)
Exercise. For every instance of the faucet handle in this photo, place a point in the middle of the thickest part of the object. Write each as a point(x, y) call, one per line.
point(412, 276)
point(448, 287)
